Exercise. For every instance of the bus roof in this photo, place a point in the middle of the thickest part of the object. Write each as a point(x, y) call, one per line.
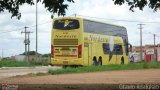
point(102, 22)
point(97, 27)
point(88, 20)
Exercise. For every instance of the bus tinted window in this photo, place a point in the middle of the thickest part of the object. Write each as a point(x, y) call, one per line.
point(66, 24)
point(106, 49)
point(118, 49)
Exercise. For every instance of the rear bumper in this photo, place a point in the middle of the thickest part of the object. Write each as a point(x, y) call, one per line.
point(61, 62)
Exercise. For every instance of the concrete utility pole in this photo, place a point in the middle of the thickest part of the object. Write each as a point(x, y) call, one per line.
point(28, 44)
point(154, 35)
point(36, 31)
point(140, 39)
point(25, 41)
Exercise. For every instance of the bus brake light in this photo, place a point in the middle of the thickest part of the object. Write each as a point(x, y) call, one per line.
point(52, 51)
point(80, 51)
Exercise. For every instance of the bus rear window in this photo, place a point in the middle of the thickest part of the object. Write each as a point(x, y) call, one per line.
point(66, 24)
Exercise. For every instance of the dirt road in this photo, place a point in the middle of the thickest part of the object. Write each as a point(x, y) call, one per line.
point(147, 76)
point(14, 71)
point(128, 76)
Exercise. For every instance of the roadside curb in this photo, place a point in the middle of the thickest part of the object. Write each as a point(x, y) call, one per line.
point(34, 67)
point(5, 68)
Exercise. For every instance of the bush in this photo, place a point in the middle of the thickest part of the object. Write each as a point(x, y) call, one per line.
point(13, 63)
point(106, 68)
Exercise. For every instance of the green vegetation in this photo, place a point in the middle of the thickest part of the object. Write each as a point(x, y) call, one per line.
point(13, 63)
point(105, 68)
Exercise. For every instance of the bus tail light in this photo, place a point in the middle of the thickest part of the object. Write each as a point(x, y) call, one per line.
point(80, 51)
point(52, 51)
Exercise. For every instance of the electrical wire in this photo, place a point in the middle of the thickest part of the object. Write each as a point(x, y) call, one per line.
point(117, 19)
point(23, 27)
point(83, 16)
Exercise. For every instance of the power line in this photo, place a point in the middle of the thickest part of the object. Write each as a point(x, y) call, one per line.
point(23, 27)
point(27, 42)
point(152, 34)
point(12, 30)
point(118, 19)
point(85, 16)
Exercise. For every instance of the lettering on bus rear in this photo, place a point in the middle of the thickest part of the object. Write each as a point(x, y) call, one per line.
point(65, 36)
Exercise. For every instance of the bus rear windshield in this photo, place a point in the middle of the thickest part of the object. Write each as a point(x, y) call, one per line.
point(66, 24)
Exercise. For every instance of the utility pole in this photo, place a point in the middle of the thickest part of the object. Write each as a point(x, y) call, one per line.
point(28, 44)
point(141, 39)
point(25, 41)
point(154, 36)
point(36, 32)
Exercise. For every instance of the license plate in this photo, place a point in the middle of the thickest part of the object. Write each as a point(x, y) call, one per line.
point(65, 53)
point(65, 62)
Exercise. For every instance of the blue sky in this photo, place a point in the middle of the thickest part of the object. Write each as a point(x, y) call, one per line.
point(11, 40)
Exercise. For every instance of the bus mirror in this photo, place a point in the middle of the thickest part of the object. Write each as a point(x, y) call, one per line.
point(130, 48)
point(52, 16)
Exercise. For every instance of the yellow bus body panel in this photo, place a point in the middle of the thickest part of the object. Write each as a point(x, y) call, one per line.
point(91, 46)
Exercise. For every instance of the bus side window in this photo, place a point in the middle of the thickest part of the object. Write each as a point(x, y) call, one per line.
point(106, 49)
point(118, 49)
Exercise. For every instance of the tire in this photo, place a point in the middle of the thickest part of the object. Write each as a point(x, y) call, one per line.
point(100, 61)
point(94, 61)
point(122, 60)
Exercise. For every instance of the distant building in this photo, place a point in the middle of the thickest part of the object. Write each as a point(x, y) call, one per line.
point(137, 49)
point(150, 52)
point(12, 58)
point(20, 57)
point(31, 58)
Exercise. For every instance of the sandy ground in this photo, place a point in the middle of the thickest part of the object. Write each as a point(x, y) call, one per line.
point(6, 72)
point(147, 76)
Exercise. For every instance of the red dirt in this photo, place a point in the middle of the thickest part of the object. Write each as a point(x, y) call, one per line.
point(106, 77)
point(108, 80)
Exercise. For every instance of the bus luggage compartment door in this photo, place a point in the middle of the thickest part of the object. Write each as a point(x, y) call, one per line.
point(87, 54)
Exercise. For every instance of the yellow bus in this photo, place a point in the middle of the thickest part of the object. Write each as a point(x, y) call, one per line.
point(76, 41)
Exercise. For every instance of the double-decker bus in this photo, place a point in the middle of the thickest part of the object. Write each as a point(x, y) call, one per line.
point(77, 41)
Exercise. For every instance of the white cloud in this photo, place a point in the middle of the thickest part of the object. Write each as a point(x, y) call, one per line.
point(106, 9)
point(13, 41)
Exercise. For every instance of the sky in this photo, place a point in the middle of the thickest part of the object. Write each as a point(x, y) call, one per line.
point(12, 41)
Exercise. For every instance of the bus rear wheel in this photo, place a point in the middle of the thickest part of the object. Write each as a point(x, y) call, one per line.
point(94, 61)
point(100, 61)
point(122, 60)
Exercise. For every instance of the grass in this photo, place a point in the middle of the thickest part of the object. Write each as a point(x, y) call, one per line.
point(13, 63)
point(134, 66)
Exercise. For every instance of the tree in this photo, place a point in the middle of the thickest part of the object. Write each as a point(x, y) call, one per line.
point(59, 6)
point(153, 4)
point(31, 53)
point(46, 55)
point(53, 6)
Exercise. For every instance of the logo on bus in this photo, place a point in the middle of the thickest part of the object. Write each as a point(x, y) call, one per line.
point(65, 36)
point(93, 38)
